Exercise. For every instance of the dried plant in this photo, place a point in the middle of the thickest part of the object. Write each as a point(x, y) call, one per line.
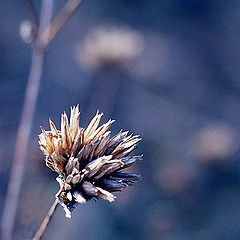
point(89, 162)
point(109, 46)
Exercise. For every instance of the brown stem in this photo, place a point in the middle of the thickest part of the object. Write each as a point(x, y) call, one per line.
point(60, 20)
point(46, 221)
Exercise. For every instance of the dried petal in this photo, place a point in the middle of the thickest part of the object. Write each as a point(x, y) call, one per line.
point(94, 166)
point(78, 197)
point(58, 159)
point(105, 195)
point(129, 161)
point(127, 143)
point(69, 178)
point(76, 179)
point(65, 131)
point(118, 181)
point(78, 142)
point(53, 128)
point(100, 131)
point(67, 186)
point(117, 138)
point(92, 126)
point(109, 168)
point(74, 122)
point(89, 189)
point(102, 144)
point(46, 142)
point(125, 152)
point(69, 166)
point(69, 196)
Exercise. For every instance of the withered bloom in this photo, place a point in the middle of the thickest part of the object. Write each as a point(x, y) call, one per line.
point(109, 46)
point(89, 162)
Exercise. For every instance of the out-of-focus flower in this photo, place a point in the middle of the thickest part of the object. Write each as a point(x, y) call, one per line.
point(174, 176)
point(88, 161)
point(109, 46)
point(216, 142)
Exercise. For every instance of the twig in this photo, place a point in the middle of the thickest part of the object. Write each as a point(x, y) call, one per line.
point(17, 169)
point(24, 130)
point(46, 220)
point(31, 11)
point(61, 19)
point(46, 34)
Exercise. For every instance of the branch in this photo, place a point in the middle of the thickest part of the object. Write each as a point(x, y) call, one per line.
point(31, 11)
point(59, 21)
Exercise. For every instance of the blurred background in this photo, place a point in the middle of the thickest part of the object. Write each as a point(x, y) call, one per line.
point(167, 70)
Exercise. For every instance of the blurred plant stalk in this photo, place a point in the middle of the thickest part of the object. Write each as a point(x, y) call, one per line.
point(46, 32)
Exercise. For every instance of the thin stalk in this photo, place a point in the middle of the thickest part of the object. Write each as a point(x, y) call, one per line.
point(31, 11)
point(46, 221)
point(61, 19)
point(17, 169)
point(46, 33)
point(30, 99)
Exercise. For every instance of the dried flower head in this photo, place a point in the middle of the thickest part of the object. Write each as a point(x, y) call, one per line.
point(88, 161)
point(109, 46)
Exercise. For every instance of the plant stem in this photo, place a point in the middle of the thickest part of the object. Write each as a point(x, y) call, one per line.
point(46, 33)
point(61, 19)
point(30, 99)
point(46, 220)
point(31, 11)
point(17, 169)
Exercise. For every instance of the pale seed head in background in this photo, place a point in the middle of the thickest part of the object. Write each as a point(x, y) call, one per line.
point(109, 46)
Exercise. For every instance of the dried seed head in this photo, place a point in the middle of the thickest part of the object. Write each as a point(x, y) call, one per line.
point(109, 46)
point(87, 160)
